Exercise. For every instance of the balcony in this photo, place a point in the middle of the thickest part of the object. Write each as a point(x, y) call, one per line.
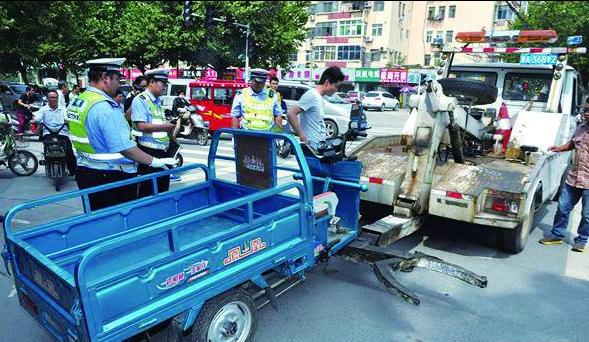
point(337, 40)
point(339, 15)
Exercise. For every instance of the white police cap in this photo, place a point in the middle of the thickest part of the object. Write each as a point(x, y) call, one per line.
point(259, 75)
point(158, 74)
point(106, 64)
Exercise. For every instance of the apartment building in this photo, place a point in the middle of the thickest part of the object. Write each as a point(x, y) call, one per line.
point(439, 21)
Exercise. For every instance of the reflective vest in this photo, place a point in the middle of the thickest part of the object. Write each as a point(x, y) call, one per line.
point(76, 118)
point(157, 118)
point(257, 114)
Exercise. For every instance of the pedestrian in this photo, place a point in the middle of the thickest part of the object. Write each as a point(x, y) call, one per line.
point(274, 81)
point(573, 189)
point(256, 107)
point(62, 91)
point(102, 139)
point(53, 116)
point(150, 128)
point(180, 102)
point(139, 85)
point(311, 129)
point(75, 92)
point(23, 108)
point(119, 97)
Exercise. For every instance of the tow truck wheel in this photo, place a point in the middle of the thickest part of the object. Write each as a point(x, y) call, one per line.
point(230, 316)
point(514, 240)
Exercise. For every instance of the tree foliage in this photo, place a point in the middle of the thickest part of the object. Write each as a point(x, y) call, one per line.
point(148, 33)
point(567, 18)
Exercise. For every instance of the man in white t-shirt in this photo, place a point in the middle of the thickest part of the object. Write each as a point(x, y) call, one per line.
point(311, 128)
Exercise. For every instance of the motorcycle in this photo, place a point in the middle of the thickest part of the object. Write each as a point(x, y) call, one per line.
point(190, 125)
point(55, 158)
point(19, 161)
point(29, 129)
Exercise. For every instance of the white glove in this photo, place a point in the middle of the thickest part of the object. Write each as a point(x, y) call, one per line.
point(163, 162)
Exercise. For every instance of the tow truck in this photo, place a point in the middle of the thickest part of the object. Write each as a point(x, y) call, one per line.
point(456, 115)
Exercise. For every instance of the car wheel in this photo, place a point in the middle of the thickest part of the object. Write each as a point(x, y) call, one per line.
point(382, 107)
point(330, 129)
point(396, 107)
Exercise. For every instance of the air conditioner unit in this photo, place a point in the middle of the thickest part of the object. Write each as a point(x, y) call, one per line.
point(312, 17)
point(381, 49)
point(368, 4)
point(368, 39)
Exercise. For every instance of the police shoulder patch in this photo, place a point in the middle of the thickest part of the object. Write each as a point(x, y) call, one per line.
point(271, 93)
point(78, 103)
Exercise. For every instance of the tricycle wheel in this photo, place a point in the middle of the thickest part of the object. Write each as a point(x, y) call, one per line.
point(230, 316)
point(202, 138)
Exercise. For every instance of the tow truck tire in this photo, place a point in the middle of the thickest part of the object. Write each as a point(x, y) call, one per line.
point(479, 92)
point(514, 240)
point(233, 311)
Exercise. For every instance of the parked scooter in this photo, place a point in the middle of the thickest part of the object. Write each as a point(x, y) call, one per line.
point(54, 152)
point(19, 161)
point(29, 129)
point(190, 125)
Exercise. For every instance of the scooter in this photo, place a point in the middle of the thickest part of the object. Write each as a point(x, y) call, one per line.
point(190, 125)
point(29, 129)
point(54, 152)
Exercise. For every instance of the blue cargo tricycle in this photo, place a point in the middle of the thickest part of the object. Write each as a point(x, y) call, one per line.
point(202, 259)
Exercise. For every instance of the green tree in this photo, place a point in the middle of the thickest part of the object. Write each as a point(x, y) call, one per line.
point(567, 18)
point(20, 34)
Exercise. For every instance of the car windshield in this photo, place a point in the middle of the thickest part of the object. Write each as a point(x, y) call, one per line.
point(487, 77)
point(527, 87)
point(371, 95)
point(334, 99)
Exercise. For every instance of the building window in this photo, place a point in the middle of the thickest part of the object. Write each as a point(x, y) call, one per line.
point(351, 28)
point(428, 37)
point(441, 12)
point(307, 56)
point(452, 11)
point(379, 6)
point(358, 5)
point(437, 59)
point(325, 29)
point(326, 6)
point(377, 30)
point(311, 9)
point(325, 53)
point(449, 36)
point(431, 12)
point(349, 52)
point(406, 34)
point(504, 13)
point(401, 34)
point(401, 10)
point(310, 33)
point(440, 34)
point(375, 55)
point(293, 57)
point(426, 60)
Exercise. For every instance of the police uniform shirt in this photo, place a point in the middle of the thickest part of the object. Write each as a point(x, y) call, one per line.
point(108, 132)
point(237, 107)
point(140, 113)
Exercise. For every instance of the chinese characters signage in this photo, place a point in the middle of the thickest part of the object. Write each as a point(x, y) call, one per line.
point(393, 76)
point(367, 75)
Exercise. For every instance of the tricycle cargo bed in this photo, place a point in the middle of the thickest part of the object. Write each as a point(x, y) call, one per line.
point(137, 265)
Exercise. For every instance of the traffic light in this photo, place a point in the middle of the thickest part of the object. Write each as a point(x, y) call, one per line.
point(187, 13)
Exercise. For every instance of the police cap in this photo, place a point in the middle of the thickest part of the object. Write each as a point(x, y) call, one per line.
point(158, 74)
point(106, 64)
point(259, 75)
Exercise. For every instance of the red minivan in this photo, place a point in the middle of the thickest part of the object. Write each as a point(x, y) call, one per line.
point(214, 99)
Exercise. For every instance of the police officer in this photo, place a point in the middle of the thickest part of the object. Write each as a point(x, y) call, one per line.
point(150, 127)
point(256, 107)
point(102, 138)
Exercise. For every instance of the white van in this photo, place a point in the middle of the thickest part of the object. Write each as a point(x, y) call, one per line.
point(174, 86)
